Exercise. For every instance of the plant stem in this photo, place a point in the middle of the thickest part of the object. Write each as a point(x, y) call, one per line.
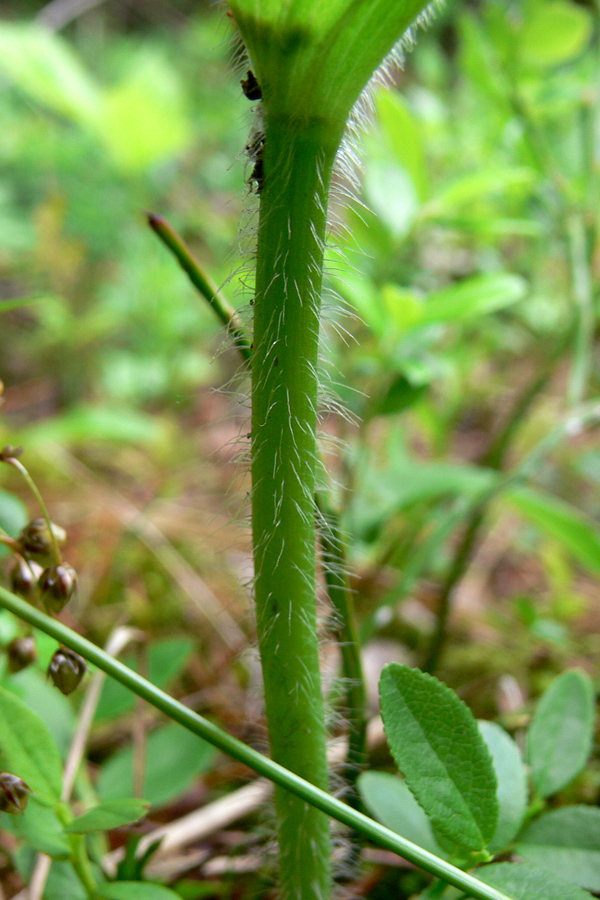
point(202, 282)
point(247, 755)
point(17, 464)
point(332, 544)
point(298, 158)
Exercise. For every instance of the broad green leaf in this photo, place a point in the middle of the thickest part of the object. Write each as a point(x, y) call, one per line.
point(174, 757)
point(473, 297)
point(28, 749)
point(464, 190)
point(405, 482)
point(42, 64)
point(566, 842)
point(41, 828)
point(143, 120)
point(86, 423)
point(42, 697)
point(566, 523)
point(559, 738)
point(554, 32)
point(521, 881)
point(135, 890)
point(391, 802)
point(13, 516)
point(404, 135)
point(439, 750)
point(391, 194)
point(112, 814)
point(62, 882)
point(511, 775)
point(398, 396)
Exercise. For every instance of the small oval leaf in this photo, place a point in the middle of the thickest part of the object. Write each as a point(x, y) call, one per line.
point(566, 842)
point(559, 739)
point(512, 783)
point(520, 881)
point(390, 801)
point(439, 750)
point(112, 814)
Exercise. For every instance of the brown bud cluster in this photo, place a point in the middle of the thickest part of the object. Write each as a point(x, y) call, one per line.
point(66, 670)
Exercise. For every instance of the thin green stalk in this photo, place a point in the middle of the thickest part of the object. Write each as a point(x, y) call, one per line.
point(264, 766)
point(332, 545)
point(202, 282)
point(298, 158)
point(12, 461)
point(584, 303)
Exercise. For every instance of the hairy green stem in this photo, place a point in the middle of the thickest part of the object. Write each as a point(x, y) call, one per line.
point(276, 773)
point(297, 163)
point(332, 544)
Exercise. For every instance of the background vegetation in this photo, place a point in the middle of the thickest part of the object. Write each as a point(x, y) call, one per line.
point(461, 335)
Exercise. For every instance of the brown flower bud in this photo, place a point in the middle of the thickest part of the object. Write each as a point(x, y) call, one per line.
point(21, 653)
point(66, 670)
point(57, 584)
point(24, 577)
point(35, 539)
point(14, 793)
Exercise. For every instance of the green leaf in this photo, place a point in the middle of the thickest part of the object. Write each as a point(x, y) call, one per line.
point(174, 757)
point(554, 32)
point(521, 881)
point(41, 828)
point(42, 697)
point(566, 523)
point(28, 748)
point(390, 801)
point(566, 842)
point(439, 750)
point(467, 189)
point(511, 775)
point(13, 516)
point(87, 423)
point(143, 120)
point(404, 135)
point(105, 816)
point(135, 890)
point(41, 63)
point(62, 882)
point(398, 396)
point(559, 738)
point(472, 298)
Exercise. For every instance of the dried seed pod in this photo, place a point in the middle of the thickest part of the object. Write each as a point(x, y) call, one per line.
point(35, 539)
point(57, 585)
point(24, 577)
point(21, 653)
point(66, 670)
point(14, 793)
point(251, 87)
